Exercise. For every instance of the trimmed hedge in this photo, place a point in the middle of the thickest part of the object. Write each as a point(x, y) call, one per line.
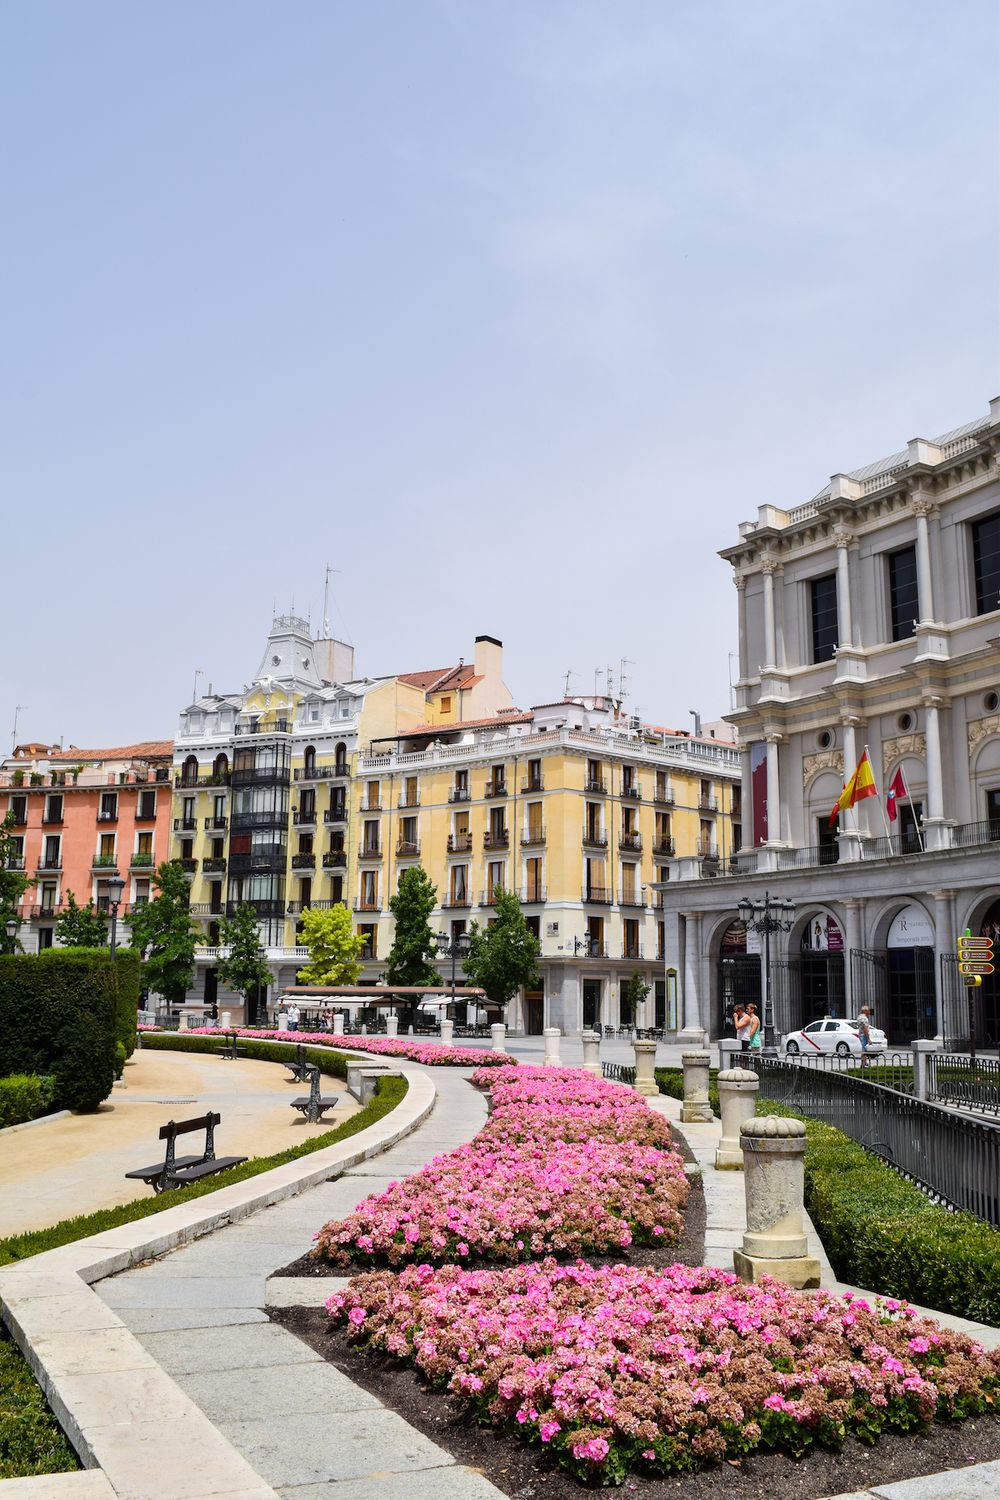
point(24, 1096)
point(334, 1064)
point(129, 967)
point(670, 1081)
point(58, 1017)
point(31, 1440)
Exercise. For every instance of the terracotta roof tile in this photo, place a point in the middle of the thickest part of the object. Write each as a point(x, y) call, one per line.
point(143, 750)
point(508, 716)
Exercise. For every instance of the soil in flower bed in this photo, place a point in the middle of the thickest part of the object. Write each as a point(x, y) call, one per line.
point(525, 1473)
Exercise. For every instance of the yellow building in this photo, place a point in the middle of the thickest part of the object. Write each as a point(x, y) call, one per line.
point(314, 787)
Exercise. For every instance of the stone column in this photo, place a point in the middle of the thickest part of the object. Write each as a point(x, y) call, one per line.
point(945, 935)
point(552, 1035)
point(591, 1052)
point(739, 579)
point(772, 742)
point(498, 1037)
point(935, 777)
point(853, 906)
point(923, 508)
point(696, 1108)
point(693, 1033)
point(845, 627)
point(923, 1068)
point(730, 1052)
point(645, 1063)
point(769, 567)
point(338, 1023)
point(447, 1032)
point(848, 828)
point(737, 1102)
point(775, 1241)
point(392, 1025)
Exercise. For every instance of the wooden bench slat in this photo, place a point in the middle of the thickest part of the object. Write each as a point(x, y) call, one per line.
point(148, 1173)
point(204, 1169)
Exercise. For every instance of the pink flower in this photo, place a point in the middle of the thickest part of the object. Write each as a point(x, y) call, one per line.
point(357, 1316)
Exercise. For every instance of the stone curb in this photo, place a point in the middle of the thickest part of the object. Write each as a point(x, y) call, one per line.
point(60, 1114)
point(119, 1410)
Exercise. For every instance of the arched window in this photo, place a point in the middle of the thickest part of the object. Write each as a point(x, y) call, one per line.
point(189, 773)
point(220, 768)
point(310, 760)
point(341, 759)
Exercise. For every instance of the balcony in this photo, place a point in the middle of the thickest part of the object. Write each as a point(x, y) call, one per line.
point(335, 859)
point(50, 862)
point(707, 849)
point(105, 862)
point(107, 817)
point(304, 817)
point(264, 907)
point(268, 858)
point(663, 846)
point(52, 817)
point(276, 818)
point(145, 814)
point(533, 838)
point(264, 776)
point(664, 797)
point(590, 948)
point(15, 862)
point(336, 814)
point(19, 819)
point(532, 895)
point(533, 784)
point(371, 807)
point(216, 825)
point(632, 898)
point(632, 792)
point(596, 895)
point(405, 802)
point(456, 903)
point(499, 839)
point(895, 844)
point(202, 909)
point(975, 835)
point(597, 785)
point(707, 804)
point(593, 838)
point(489, 898)
point(459, 843)
point(143, 861)
point(337, 772)
point(459, 794)
point(185, 825)
point(405, 848)
point(303, 861)
point(370, 851)
point(495, 789)
point(220, 778)
point(294, 907)
point(362, 905)
point(280, 726)
point(189, 866)
point(630, 838)
point(213, 866)
point(631, 950)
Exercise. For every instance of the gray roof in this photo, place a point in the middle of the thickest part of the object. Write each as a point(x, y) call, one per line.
point(897, 460)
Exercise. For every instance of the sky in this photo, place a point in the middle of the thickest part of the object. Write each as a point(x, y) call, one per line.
point(509, 312)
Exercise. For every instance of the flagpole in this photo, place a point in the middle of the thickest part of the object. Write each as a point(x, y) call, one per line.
point(881, 803)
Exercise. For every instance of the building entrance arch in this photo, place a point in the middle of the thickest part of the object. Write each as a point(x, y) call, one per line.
point(809, 983)
point(738, 973)
point(911, 994)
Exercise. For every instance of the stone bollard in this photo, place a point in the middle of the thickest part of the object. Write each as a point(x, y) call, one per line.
point(552, 1035)
point(392, 1026)
point(730, 1052)
point(696, 1108)
point(591, 1053)
point(498, 1037)
point(737, 1102)
point(447, 1032)
point(183, 1021)
point(338, 1023)
point(226, 1020)
point(923, 1067)
point(364, 1028)
point(281, 1021)
point(645, 1064)
point(775, 1241)
point(409, 1030)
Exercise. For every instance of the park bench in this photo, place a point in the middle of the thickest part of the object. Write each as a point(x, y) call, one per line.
point(176, 1171)
point(299, 1069)
point(314, 1104)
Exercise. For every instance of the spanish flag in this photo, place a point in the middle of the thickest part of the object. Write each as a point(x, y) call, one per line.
point(861, 784)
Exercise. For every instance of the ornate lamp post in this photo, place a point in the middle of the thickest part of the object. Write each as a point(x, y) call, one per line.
point(11, 926)
point(453, 948)
point(116, 887)
point(770, 915)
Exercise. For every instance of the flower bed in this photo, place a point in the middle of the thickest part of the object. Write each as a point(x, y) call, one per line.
point(565, 1165)
point(617, 1368)
point(431, 1054)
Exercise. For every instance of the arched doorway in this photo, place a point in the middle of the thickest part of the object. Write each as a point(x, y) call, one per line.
point(911, 998)
point(809, 983)
point(739, 974)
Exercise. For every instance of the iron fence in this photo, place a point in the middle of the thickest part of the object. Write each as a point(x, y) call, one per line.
point(893, 1070)
point(619, 1073)
point(955, 1159)
point(970, 1082)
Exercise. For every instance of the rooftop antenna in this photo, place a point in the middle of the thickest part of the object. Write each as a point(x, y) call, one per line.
point(326, 602)
point(13, 738)
point(569, 673)
point(597, 682)
point(622, 678)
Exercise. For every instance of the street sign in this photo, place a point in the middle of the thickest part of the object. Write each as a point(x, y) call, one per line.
point(975, 958)
point(975, 968)
point(975, 944)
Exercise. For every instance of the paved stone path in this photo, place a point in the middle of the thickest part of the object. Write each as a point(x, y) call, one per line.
point(304, 1427)
point(42, 1174)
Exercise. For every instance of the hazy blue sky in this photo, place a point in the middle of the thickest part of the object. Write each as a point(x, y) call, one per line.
point(509, 311)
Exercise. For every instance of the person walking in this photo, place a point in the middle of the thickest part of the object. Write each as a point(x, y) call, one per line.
point(741, 1020)
point(293, 1017)
point(753, 1027)
point(865, 1033)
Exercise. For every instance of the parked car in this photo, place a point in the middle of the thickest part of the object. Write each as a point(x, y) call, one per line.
point(828, 1035)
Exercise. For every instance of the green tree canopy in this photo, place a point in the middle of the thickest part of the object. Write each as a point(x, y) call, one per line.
point(81, 926)
point(503, 956)
point(410, 959)
point(13, 882)
point(333, 946)
point(244, 971)
point(636, 991)
point(163, 933)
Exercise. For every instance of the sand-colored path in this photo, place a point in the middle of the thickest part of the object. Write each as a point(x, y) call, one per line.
point(73, 1166)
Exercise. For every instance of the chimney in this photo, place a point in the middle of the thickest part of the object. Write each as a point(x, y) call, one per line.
point(334, 660)
point(488, 660)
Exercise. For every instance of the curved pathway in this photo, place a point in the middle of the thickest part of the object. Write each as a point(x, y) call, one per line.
point(306, 1429)
point(77, 1163)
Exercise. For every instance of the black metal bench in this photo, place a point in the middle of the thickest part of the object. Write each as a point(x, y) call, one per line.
point(299, 1069)
point(314, 1104)
point(176, 1171)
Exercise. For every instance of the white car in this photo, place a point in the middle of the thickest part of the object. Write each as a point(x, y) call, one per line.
point(841, 1037)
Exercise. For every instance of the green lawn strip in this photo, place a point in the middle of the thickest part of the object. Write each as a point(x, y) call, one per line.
point(31, 1440)
point(389, 1093)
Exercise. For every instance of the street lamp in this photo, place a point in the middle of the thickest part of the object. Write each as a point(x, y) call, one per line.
point(773, 914)
point(454, 948)
point(12, 924)
point(260, 1009)
point(116, 887)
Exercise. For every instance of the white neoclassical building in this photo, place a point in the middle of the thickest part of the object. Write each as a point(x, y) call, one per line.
point(868, 617)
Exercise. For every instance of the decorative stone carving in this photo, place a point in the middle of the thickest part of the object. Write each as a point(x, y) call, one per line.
point(823, 760)
point(775, 1242)
point(981, 729)
point(903, 744)
point(921, 506)
point(740, 581)
point(770, 565)
point(842, 537)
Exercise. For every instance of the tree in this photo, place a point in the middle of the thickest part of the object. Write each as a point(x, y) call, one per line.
point(244, 971)
point(163, 933)
point(13, 882)
point(333, 947)
point(503, 956)
point(635, 993)
point(410, 959)
point(81, 926)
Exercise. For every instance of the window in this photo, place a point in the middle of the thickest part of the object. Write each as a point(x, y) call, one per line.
point(218, 848)
point(370, 844)
point(305, 843)
point(19, 807)
point(595, 776)
point(410, 797)
point(534, 926)
point(903, 602)
point(147, 806)
point(461, 783)
point(141, 892)
point(823, 605)
point(827, 844)
point(107, 847)
point(51, 859)
point(630, 944)
point(44, 938)
point(369, 932)
point(533, 880)
point(534, 781)
point(446, 703)
point(459, 885)
point(17, 850)
point(48, 896)
point(986, 563)
point(369, 890)
point(53, 810)
point(494, 879)
point(109, 807)
point(371, 795)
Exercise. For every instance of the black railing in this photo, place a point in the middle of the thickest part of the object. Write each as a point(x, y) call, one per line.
point(279, 726)
point(619, 1073)
point(186, 825)
point(459, 794)
point(955, 1159)
point(213, 866)
point(459, 843)
point(276, 818)
point(264, 907)
point(971, 1083)
point(664, 797)
point(336, 814)
point(597, 895)
point(335, 859)
point(320, 773)
point(597, 785)
point(532, 837)
point(497, 840)
point(595, 838)
point(632, 793)
point(456, 901)
point(407, 846)
point(267, 857)
point(663, 846)
point(533, 895)
point(630, 840)
point(305, 817)
point(533, 785)
point(495, 789)
point(276, 776)
point(218, 778)
point(218, 824)
point(107, 817)
point(969, 835)
point(303, 861)
point(895, 844)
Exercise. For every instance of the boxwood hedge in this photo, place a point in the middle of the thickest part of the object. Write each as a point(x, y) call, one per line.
point(58, 1017)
